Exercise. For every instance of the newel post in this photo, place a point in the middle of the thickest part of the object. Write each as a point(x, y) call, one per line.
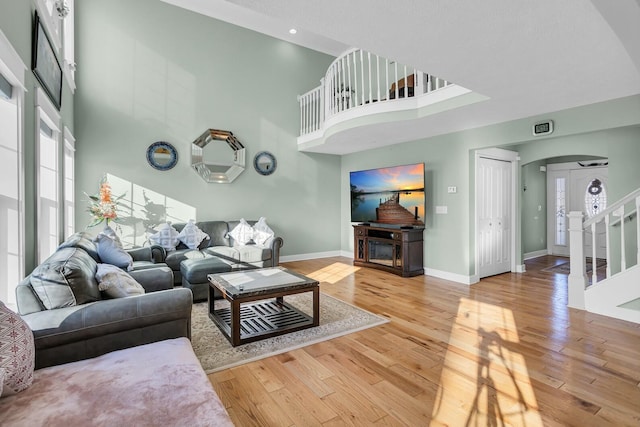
point(577, 276)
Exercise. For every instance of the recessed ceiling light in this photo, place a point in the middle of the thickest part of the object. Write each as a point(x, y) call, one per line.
point(293, 31)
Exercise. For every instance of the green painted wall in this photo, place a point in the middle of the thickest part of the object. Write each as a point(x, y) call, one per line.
point(161, 73)
point(607, 129)
point(533, 191)
point(16, 22)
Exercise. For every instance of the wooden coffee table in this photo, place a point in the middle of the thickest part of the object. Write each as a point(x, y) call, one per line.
point(257, 309)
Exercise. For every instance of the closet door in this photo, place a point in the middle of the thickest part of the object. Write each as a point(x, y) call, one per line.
point(494, 216)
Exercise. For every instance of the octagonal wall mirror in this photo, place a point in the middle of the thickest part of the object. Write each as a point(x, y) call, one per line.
point(217, 156)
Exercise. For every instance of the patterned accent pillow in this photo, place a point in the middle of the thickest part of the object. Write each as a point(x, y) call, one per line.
point(17, 353)
point(242, 233)
point(263, 234)
point(166, 236)
point(117, 283)
point(191, 235)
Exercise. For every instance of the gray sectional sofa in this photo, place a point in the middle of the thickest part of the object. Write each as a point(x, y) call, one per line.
point(72, 320)
point(218, 254)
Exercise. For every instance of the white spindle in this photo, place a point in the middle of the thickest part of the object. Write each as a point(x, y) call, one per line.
point(637, 231)
point(594, 258)
point(378, 76)
point(355, 80)
point(396, 80)
point(386, 73)
point(314, 119)
point(369, 64)
point(343, 87)
point(301, 113)
point(623, 251)
point(350, 104)
point(607, 220)
point(362, 74)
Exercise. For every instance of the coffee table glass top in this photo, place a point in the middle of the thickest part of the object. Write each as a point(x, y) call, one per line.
point(255, 282)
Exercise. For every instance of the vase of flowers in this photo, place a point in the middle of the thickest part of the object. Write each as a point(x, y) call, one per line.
point(103, 207)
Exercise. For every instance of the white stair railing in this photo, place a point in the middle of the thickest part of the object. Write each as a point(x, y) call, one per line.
point(358, 79)
point(617, 214)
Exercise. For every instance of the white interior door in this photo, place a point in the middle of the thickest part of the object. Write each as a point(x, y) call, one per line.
point(494, 216)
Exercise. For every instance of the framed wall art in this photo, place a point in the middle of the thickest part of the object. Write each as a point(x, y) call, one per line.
point(45, 65)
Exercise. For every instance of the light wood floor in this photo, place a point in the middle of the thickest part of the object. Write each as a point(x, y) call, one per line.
point(505, 351)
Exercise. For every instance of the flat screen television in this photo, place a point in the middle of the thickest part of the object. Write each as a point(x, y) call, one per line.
point(393, 195)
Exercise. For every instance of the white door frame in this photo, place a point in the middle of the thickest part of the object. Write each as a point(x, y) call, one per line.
point(514, 159)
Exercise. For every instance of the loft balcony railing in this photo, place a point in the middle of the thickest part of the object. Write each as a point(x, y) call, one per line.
point(358, 80)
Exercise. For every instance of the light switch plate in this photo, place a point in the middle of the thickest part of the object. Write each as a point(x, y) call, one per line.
point(441, 209)
point(452, 189)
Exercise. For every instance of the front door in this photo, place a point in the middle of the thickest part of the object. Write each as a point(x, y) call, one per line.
point(571, 188)
point(494, 216)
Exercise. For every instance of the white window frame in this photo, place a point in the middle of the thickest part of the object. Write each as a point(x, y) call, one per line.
point(46, 112)
point(13, 69)
point(69, 45)
point(69, 150)
point(61, 31)
point(53, 25)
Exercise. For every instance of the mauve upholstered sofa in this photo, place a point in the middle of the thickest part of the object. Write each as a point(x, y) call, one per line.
point(157, 384)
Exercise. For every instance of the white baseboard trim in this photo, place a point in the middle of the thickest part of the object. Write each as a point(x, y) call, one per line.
point(535, 254)
point(521, 268)
point(347, 254)
point(459, 278)
point(314, 255)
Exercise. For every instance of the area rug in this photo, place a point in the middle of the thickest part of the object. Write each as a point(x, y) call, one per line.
point(565, 267)
point(337, 318)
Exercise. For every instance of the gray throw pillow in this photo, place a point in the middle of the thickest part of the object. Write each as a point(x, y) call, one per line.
point(111, 252)
point(117, 283)
point(65, 279)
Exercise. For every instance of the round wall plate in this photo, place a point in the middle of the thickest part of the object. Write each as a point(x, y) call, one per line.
point(265, 163)
point(162, 155)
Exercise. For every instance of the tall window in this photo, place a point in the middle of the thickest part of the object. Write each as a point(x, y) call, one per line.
point(561, 212)
point(48, 176)
point(68, 170)
point(12, 172)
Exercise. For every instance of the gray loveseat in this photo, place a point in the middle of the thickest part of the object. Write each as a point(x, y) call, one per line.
point(218, 254)
point(87, 325)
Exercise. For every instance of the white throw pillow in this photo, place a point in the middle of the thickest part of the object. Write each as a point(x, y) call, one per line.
point(263, 234)
point(242, 233)
point(117, 283)
point(166, 236)
point(17, 353)
point(191, 235)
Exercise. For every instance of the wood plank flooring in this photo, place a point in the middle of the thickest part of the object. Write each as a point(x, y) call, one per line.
point(505, 351)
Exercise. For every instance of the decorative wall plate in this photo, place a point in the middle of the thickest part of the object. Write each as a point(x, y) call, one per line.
point(162, 155)
point(265, 163)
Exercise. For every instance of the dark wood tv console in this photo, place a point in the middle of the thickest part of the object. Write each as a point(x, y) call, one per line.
point(395, 249)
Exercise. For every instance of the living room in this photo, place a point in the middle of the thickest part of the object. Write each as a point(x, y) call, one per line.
point(148, 71)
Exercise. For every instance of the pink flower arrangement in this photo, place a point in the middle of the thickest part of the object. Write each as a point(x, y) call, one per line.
point(103, 206)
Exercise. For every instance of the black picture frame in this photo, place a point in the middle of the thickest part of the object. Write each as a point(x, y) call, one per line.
point(45, 65)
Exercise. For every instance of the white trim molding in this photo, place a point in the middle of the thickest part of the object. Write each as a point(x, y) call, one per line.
point(314, 255)
point(11, 65)
point(453, 277)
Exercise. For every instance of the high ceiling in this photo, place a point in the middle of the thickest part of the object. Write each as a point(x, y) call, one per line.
point(529, 57)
